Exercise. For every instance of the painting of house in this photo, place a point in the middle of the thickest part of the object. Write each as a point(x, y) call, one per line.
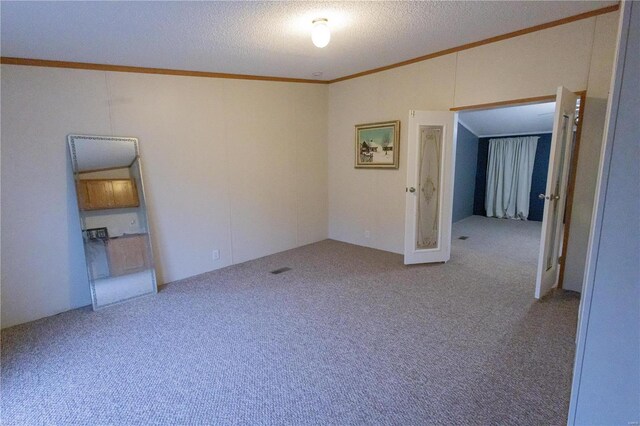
point(376, 144)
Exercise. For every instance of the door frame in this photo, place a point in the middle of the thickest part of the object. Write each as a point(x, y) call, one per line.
point(582, 95)
point(571, 184)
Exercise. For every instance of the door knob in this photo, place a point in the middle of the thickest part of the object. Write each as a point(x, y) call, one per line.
point(549, 197)
point(412, 189)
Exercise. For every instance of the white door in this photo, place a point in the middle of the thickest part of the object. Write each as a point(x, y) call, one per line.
point(556, 192)
point(429, 192)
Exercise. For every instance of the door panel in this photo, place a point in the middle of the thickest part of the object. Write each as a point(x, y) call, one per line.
point(429, 193)
point(428, 214)
point(127, 255)
point(556, 192)
point(124, 193)
point(100, 194)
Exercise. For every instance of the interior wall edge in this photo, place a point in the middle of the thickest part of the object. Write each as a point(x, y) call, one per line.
point(467, 127)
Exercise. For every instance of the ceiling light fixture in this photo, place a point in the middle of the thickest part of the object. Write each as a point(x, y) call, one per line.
point(320, 34)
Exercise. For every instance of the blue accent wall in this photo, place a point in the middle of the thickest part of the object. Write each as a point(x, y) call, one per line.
point(538, 178)
point(465, 175)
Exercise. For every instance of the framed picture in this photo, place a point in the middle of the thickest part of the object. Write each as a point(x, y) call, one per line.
point(378, 145)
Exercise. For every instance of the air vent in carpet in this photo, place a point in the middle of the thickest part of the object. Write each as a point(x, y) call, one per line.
point(280, 270)
point(464, 237)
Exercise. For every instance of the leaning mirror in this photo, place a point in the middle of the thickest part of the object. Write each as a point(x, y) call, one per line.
point(113, 218)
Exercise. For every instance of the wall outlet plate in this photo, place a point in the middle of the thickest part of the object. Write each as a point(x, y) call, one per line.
point(216, 255)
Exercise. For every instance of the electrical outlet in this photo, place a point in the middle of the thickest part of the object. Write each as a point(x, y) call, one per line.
point(216, 255)
point(367, 234)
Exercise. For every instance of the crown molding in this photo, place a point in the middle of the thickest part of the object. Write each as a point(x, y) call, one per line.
point(143, 70)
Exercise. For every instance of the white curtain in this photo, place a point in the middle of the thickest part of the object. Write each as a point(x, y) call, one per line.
point(509, 172)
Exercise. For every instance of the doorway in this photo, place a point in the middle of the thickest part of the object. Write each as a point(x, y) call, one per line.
point(499, 164)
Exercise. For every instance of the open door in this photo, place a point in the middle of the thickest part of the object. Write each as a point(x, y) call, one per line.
point(429, 192)
point(556, 192)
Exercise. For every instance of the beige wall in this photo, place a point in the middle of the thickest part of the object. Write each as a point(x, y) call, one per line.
point(598, 86)
point(362, 200)
point(530, 65)
point(239, 166)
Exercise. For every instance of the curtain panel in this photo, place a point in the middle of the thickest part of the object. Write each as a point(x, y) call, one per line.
point(509, 171)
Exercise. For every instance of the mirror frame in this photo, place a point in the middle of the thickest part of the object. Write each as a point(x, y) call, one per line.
point(71, 140)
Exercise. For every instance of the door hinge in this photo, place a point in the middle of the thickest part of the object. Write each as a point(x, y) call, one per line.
point(560, 259)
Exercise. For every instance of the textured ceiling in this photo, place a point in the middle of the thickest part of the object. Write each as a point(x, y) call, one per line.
point(261, 38)
point(515, 120)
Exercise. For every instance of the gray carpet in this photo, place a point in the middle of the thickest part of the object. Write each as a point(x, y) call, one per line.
point(348, 336)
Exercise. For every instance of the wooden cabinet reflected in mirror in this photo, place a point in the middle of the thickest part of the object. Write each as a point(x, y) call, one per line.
point(127, 254)
point(96, 194)
point(113, 218)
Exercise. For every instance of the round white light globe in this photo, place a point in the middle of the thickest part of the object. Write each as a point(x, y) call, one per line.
point(320, 35)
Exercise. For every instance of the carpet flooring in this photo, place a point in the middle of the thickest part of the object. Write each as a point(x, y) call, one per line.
point(348, 336)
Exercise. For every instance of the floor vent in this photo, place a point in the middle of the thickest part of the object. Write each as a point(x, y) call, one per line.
point(464, 237)
point(280, 270)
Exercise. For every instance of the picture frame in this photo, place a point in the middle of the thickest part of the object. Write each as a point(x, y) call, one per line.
point(377, 145)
